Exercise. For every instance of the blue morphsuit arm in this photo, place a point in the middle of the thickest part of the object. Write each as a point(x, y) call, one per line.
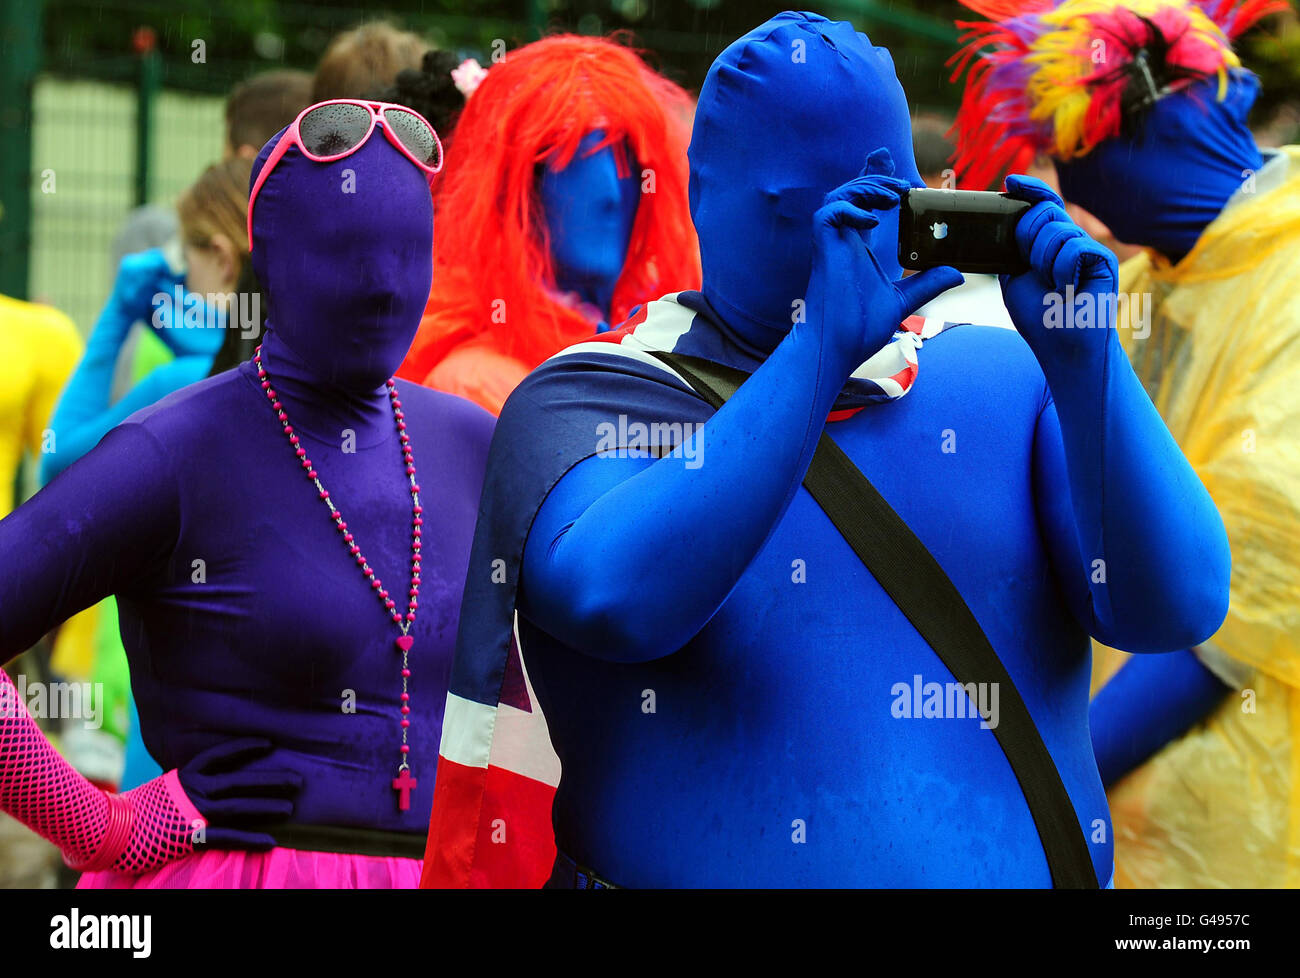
point(1137, 544)
point(1136, 540)
point(614, 539)
point(142, 290)
point(88, 390)
point(1150, 702)
point(84, 416)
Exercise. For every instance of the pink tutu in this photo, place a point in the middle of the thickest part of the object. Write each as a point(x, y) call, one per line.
point(293, 869)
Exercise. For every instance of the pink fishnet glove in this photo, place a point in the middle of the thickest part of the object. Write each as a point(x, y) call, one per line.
point(131, 833)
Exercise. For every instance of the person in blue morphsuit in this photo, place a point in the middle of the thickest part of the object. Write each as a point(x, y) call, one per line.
point(84, 414)
point(1126, 181)
point(590, 207)
point(565, 205)
point(1197, 748)
point(147, 288)
point(717, 668)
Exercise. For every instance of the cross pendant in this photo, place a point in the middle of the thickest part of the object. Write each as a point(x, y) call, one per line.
point(404, 784)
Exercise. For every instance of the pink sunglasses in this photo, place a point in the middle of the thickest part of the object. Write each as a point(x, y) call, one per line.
point(329, 131)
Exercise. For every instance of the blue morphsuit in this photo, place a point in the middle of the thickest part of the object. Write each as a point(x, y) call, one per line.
point(1160, 188)
point(1151, 701)
point(145, 288)
point(590, 207)
point(711, 579)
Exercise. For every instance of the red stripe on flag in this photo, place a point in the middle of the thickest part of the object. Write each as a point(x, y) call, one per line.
point(905, 376)
point(488, 829)
point(449, 850)
point(842, 415)
point(616, 335)
point(516, 843)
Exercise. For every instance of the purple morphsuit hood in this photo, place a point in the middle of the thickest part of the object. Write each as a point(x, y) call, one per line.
point(344, 253)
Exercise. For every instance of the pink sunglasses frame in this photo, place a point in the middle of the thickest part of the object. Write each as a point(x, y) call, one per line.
point(292, 137)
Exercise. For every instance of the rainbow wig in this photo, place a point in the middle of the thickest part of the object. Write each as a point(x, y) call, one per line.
point(491, 242)
point(1060, 77)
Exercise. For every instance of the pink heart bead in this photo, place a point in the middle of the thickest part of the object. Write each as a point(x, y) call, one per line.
point(404, 642)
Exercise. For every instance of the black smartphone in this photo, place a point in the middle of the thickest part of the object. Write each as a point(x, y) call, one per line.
point(971, 230)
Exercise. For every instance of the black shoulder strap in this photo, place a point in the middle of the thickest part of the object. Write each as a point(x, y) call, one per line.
point(911, 576)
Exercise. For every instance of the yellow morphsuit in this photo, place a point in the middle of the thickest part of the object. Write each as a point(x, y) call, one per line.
point(39, 348)
point(1220, 806)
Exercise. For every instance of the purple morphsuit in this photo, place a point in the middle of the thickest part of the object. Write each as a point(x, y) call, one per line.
point(242, 612)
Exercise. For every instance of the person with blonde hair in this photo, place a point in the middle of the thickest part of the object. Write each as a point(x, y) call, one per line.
point(215, 250)
point(366, 60)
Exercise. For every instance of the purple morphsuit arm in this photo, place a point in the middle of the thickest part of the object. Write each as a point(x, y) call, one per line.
point(101, 527)
point(108, 525)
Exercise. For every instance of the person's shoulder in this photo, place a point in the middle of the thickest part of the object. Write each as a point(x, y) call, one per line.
point(451, 414)
point(42, 322)
point(193, 409)
point(478, 373)
point(997, 346)
point(995, 357)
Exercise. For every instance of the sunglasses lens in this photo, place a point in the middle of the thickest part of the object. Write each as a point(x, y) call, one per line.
point(415, 134)
point(334, 129)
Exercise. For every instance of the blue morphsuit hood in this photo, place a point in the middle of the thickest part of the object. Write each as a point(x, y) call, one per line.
point(1161, 186)
point(787, 113)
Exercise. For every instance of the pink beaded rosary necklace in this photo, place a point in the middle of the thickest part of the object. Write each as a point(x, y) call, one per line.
point(403, 784)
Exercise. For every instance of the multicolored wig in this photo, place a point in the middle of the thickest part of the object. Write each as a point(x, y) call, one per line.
point(1060, 77)
point(491, 243)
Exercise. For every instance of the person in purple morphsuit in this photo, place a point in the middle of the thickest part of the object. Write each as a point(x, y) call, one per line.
point(253, 526)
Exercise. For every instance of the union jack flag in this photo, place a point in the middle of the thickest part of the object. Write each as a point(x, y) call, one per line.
point(497, 772)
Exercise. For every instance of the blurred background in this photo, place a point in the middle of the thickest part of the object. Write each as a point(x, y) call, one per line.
point(109, 104)
point(112, 111)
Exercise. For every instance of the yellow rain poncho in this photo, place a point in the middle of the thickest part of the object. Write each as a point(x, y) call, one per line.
point(1220, 806)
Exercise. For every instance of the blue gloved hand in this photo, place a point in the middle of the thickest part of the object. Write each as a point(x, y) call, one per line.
point(1062, 258)
point(856, 303)
point(230, 796)
point(141, 276)
point(191, 327)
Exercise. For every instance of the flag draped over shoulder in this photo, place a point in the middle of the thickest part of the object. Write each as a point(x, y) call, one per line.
point(497, 773)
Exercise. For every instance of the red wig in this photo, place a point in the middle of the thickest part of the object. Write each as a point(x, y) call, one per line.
point(493, 273)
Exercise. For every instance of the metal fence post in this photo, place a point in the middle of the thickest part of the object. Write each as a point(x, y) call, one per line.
point(20, 56)
point(146, 92)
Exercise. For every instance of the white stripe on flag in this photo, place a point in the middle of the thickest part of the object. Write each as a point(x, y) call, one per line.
point(523, 745)
point(666, 322)
point(467, 731)
point(621, 349)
